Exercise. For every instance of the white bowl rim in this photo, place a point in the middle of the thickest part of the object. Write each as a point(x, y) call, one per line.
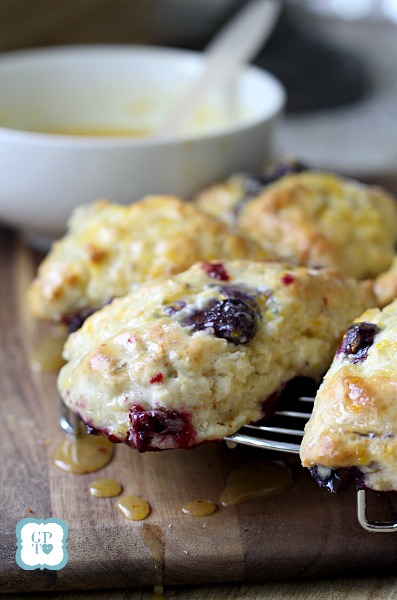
point(108, 141)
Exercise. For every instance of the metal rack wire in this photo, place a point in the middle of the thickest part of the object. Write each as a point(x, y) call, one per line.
point(283, 433)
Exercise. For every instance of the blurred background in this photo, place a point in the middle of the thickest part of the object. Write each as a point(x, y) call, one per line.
point(336, 58)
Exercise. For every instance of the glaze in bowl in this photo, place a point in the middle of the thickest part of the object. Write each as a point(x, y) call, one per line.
point(78, 123)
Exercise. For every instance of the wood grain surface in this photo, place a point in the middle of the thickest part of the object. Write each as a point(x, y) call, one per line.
point(301, 533)
point(339, 589)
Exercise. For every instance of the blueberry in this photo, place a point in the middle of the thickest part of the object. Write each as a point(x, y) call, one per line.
point(74, 322)
point(150, 429)
point(284, 168)
point(232, 319)
point(336, 480)
point(357, 341)
point(241, 292)
point(171, 309)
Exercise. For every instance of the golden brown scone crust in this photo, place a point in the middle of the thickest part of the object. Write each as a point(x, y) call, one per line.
point(312, 218)
point(110, 248)
point(140, 363)
point(354, 421)
point(385, 285)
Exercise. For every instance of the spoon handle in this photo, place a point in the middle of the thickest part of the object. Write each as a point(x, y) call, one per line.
point(236, 43)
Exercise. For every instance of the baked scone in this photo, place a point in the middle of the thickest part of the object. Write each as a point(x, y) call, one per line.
point(385, 285)
point(352, 433)
point(194, 357)
point(311, 218)
point(109, 248)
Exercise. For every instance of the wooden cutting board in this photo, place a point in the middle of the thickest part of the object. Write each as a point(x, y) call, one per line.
point(303, 532)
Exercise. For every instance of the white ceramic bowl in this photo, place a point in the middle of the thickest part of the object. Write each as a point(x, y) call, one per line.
point(49, 94)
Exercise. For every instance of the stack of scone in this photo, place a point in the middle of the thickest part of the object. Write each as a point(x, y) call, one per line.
point(205, 311)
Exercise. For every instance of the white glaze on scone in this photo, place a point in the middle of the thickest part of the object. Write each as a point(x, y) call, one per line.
point(354, 421)
point(311, 218)
point(140, 359)
point(110, 248)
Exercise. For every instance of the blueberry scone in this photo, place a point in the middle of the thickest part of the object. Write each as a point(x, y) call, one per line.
point(311, 218)
point(352, 434)
point(109, 248)
point(194, 357)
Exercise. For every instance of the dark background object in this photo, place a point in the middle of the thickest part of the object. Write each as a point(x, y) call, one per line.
point(315, 72)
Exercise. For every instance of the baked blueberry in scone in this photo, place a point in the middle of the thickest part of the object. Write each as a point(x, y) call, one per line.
point(110, 248)
point(194, 357)
point(311, 218)
point(352, 434)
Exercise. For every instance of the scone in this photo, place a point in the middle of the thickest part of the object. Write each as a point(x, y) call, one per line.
point(385, 285)
point(110, 248)
point(194, 357)
point(352, 434)
point(311, 218)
